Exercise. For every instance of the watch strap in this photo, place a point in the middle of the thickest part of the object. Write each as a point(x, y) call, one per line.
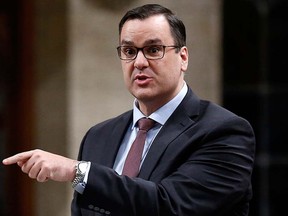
point(80, 175)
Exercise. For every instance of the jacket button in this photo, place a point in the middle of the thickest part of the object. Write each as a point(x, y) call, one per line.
point(90, 206)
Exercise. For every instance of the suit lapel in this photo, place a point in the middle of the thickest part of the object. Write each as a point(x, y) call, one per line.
point(183, 117)
point(113, 142)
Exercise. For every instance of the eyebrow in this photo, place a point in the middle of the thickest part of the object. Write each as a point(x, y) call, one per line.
point(147, 42)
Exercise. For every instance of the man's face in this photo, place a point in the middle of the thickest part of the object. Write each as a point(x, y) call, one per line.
point(152, 82)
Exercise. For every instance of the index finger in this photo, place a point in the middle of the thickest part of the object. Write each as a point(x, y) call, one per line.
point(23, 156)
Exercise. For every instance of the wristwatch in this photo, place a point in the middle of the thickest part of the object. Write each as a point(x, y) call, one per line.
point(81, 168)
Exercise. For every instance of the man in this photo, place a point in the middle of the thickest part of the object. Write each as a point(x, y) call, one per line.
point(197, 159)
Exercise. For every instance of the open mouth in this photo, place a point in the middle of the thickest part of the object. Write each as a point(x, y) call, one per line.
point(142, 79)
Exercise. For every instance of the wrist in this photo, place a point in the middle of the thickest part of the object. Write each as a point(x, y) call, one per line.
point(73, 169)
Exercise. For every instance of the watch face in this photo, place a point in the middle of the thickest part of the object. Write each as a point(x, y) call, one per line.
point(82, 167)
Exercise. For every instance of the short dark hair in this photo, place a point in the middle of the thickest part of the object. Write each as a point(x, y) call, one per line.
point(177, 27)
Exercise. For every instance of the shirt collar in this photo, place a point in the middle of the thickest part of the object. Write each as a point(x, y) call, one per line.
point(163, 113)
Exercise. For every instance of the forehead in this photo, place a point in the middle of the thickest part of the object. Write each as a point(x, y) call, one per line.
point(154, 29)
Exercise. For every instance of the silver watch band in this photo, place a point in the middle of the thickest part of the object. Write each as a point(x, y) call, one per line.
point(81, 168)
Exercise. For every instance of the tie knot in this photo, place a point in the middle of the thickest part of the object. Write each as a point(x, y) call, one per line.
point(145, 124)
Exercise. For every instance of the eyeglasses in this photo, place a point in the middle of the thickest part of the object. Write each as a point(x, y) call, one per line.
point(152, 52)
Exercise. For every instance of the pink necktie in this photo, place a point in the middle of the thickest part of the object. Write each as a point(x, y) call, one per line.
point(132, 163)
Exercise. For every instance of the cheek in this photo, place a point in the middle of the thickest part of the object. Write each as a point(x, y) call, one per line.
point(127, 65)
point(126, 79)
point(172, 72)
point(126, 72)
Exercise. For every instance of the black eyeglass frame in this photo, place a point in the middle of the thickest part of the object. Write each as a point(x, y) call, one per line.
point(119, 50)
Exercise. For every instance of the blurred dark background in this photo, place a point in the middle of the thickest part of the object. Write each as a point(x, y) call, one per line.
point(16, 112)
point(255, 45)
point(255, 66)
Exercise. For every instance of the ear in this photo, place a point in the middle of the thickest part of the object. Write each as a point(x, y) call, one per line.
point(184, 58)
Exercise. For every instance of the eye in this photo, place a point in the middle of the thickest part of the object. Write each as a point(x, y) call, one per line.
point(152, 50)
point(129, 51)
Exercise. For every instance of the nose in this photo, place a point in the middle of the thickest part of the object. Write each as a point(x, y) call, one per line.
point(140, 61)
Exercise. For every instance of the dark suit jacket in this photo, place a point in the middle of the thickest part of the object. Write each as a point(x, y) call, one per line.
point(200, 163)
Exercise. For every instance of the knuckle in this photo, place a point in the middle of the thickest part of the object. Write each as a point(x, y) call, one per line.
point(37, 153)
point(40, 179)
point(31, 175)
point(23, 169)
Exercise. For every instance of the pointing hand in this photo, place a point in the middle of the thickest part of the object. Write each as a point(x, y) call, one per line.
point(42, 165)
